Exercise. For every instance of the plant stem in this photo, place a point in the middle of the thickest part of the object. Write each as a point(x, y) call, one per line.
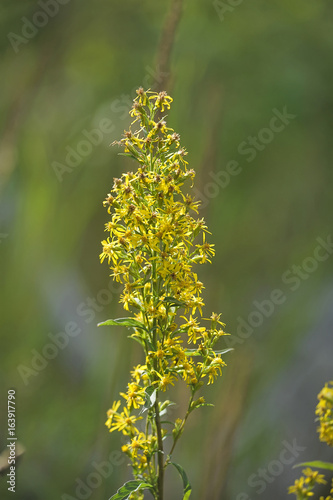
point(160, 480)
point(180, 433)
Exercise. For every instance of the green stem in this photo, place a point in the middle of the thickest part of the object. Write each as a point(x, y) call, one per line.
point(160, 480)
point(180, 431)
point(183, 424)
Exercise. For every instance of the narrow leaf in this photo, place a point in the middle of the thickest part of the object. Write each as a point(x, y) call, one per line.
point(150, 398)
point(317, 463)
point(199, 405)
point(174, 302)
point(128, 154)
point(194, 352)
point(224, 351)
point(123, 322)
point(137, 339)
point(186, 484)
point(130, 487)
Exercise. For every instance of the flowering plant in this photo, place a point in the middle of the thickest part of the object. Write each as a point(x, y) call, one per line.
point(303, 486)
point(153, 243)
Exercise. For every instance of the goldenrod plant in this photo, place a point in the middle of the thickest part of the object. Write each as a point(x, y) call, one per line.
point(304, 486)
point(154, 241)
point(324, 411)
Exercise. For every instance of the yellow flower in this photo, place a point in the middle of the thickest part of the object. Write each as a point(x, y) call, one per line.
point(325, 412)
point(313, 477)
point(107, 250)
point(137, 443)
point(155, 239)
point(111, 412)
point(166, 380)
point(193, 329)
point(125, 422)
point(303, 486)
point(162, 100)
point(212, 374)
point(139, 373)
point(134, 396)
point(218, 363)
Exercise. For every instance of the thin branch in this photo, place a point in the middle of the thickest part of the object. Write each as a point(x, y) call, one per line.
point(163, 58)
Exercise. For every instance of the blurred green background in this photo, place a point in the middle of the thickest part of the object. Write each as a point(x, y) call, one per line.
point(230, 69)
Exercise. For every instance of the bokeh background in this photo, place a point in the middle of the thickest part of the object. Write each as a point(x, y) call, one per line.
point(230, 67)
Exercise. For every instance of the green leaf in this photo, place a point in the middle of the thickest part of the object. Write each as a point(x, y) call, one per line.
point(194, 352)
point(317, 463)
point(137, 303)
point(174, 302)
point(224, 351)
point(123, 322)
point(199, 405)
point(186, 484)
point(150, 398)
point(179, 330)
point(137, 339)
point(128, 488)
point(128, 154)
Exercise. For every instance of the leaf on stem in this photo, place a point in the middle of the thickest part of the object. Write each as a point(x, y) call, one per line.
point(317, 463)
point(186, 484)
point(198, 404)
point(127, 154)
point(130, 487)
point(130, 322)
point(174, 302)
point(195, 352)
point(150, 398)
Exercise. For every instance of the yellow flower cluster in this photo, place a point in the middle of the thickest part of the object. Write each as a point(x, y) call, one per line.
point(303, 486)
point(324, 411)
point(330, 496)
point(154, 240)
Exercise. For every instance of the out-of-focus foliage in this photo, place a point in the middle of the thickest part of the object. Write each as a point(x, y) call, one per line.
point(229, 80)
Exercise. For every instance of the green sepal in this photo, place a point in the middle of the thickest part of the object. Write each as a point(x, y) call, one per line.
point(186, 484)
point(164, 407)
point(130, 487)
point(130, 322)
point(317, 463)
